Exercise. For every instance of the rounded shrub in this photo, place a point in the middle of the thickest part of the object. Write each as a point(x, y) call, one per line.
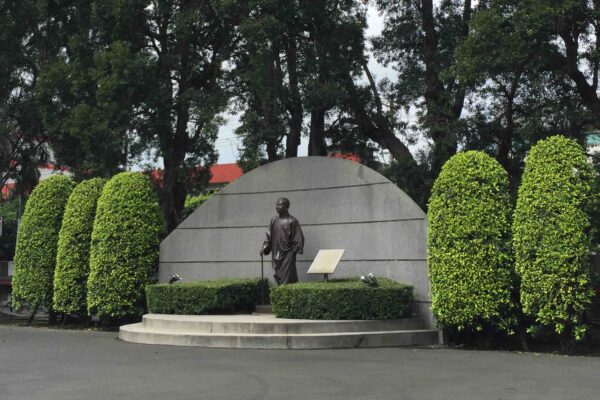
point(469, 244)
point(124, 246)
point(551, 235)
point(37, 240)
point(73, 258)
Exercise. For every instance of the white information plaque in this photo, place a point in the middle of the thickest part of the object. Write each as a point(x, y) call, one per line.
point(326, 261)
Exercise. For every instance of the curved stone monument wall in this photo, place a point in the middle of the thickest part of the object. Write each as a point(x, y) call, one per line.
point(340, 204)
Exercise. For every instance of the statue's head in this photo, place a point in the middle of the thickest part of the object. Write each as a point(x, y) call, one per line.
point(283, 205)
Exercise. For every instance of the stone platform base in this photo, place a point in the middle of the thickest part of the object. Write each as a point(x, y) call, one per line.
point(264, 331)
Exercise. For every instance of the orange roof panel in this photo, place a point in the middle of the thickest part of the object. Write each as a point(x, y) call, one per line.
point(225, 173)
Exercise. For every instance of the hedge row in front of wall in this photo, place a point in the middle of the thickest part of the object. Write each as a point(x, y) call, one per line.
point(203, 297)
point(342, 299)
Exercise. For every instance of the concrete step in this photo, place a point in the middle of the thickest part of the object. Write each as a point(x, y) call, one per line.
point(263, 309)
point(269, 324)
point(138, 333)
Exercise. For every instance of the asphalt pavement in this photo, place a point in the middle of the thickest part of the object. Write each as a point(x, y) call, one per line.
point(48, 364)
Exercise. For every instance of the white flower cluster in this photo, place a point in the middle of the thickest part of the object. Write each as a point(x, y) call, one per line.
point(174, 278)
point(369, 280)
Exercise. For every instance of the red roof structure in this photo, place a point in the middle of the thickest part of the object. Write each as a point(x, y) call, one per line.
point(224, 173)
point(221, 174)
point(346, 156)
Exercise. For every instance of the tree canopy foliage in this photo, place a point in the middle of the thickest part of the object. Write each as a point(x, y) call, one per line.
point(22, 137)
point(101, 85)
point(9, 212)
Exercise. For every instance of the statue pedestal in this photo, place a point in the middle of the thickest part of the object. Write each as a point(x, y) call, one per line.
point(265, 331)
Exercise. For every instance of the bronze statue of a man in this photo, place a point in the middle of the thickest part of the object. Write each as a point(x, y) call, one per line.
point(284, 240)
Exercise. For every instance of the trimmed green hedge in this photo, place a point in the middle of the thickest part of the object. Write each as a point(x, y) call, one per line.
point(203, 297)
point(73, 259)
point(342, 299)
point(124, 247)
point(469, 244)
point(551, 234)
point(35, 256)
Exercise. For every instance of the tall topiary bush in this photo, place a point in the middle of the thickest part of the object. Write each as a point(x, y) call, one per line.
point(469, 244)
point(73, 259)
point(124, 249)
point(37, 239)
point(551, 234)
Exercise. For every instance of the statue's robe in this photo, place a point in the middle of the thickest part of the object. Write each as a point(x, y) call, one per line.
point(285, 241)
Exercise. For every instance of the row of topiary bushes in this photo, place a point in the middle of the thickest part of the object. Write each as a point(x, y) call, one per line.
point(526, 268)
point(337, 299)
point(89, 248)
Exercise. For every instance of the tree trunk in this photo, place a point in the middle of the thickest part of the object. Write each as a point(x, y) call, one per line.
point(317, 145)
point(172, 194)
point(444, 105)
point(173, 191)
point(570, 66)
point(293, 137)
point(523, 339)
point(52, 317)
point(506, 135)
point(567, 344)
point(272, 147)
point(378, 130)
point(294, 104)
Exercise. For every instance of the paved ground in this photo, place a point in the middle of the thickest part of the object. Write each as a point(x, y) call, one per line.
point(38, 363)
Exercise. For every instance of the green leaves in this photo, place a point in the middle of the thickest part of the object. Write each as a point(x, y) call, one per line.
point(124, 247)
point(469, 239)
point(9, 210)
point(193, 202)
point(297, 59)
point(552, 235)
point(203, 297)
point(73, 258)
point(87, 133)
point(342, 299)
point(35, 257)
